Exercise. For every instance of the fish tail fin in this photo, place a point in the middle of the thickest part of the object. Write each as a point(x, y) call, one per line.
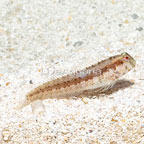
point(22, 105)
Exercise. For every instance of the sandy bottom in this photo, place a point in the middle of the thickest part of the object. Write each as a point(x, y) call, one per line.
point(39, 40)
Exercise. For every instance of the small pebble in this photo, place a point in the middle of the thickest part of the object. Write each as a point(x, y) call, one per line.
point(78, 43)
point(85, 100)
point(139, 29)
point(93, 34)
point(31, 82)
point(134, 16)
point(113, 142)
point(126, 21)
point(113, 1)
point(6, 135)
point(90, 131)
point(120, 25)
point(114, 120)
point(7, 83)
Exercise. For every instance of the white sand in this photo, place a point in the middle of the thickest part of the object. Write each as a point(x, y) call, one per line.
point(68, 35)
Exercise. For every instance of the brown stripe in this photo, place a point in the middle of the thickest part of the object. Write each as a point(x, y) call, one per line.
point(94, 72)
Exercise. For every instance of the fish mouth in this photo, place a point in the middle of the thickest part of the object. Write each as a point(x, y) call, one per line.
point(133, 62)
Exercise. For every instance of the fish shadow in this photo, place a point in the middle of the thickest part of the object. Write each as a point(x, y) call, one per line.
point(97, 93)
point(119, 85)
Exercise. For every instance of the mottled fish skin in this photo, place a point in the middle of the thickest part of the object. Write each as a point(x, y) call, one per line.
point(98, 75)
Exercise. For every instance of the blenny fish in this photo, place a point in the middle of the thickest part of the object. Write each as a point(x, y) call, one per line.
point(103, 74)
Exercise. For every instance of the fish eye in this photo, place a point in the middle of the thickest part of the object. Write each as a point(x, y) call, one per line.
point(126, 58)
